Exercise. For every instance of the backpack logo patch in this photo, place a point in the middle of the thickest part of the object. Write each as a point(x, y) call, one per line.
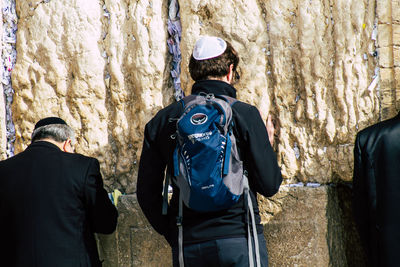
point(199, 137)
point(198, 118)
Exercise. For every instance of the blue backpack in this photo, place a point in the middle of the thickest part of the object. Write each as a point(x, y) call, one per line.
point(207, 167)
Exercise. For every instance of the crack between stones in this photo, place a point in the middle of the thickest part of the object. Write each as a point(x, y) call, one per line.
point(9, 55)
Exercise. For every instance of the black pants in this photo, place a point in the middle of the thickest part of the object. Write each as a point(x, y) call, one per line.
point(232, 252)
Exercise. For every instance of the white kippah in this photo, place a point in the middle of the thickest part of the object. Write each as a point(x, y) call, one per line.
point(208, 47)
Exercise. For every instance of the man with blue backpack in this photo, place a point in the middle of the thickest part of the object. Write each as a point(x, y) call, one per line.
point(215, 153)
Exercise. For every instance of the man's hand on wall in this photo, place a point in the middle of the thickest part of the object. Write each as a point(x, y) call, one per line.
point(270, 129)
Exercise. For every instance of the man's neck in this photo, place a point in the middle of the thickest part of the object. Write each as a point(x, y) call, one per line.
point(223, 79)
point(58, 144)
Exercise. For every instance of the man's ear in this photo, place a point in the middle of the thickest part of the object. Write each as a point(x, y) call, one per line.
point(230, 74)
point(67, 146)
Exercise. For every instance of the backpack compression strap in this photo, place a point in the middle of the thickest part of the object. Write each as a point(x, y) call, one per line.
point(230, 101)
point(165, 194)
point(253, 224)
point(180, 231)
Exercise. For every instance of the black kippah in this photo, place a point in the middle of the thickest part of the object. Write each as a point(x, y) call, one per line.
point(48, 121)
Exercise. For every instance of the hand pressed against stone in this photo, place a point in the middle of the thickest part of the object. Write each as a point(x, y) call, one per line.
point(270, 129)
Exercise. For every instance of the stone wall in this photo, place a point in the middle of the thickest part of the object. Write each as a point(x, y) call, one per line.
point(388, 16)
point(325, 69)
point(3, 139)
point(134, 243)
point(102, 66)
point(313, 228)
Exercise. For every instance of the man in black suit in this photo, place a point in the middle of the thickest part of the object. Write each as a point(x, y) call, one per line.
point(376, 188)
point(52, 202)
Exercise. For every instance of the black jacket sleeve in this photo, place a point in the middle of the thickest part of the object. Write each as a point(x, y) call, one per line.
point(259, 158)
point(360, 193)
point(102, 213)
point(150, 180)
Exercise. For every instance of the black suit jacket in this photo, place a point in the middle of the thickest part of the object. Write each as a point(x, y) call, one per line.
point(51, 204)
point(376, 188)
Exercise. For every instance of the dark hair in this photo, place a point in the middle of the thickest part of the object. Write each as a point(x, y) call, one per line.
point(56, 132)
point(214, 67)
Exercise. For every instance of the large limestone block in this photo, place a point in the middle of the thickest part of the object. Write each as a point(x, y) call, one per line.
point(385, 35)
point(102, 66)
point(396, 56)
point(384, 11)
point(396, 35)
point(304, 226)
point(297, 235)
point(240, 22)
point(314, 228)
point(308, 62)
point(396, 11)
point(387, 92)
point(3, 137)
point(134, 243)
point(397, 86)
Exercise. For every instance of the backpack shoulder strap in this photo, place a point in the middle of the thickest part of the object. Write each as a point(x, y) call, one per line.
point(229, 99)
point(186, 100)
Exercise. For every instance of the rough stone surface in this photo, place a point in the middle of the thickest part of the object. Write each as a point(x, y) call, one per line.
point(313, 228)
point(310, 227)
point(304, 62)
point(104, 67)
point(297, 235)
point(343, 239)
point(134, 243)
point(3, 137)
point(99, 65)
